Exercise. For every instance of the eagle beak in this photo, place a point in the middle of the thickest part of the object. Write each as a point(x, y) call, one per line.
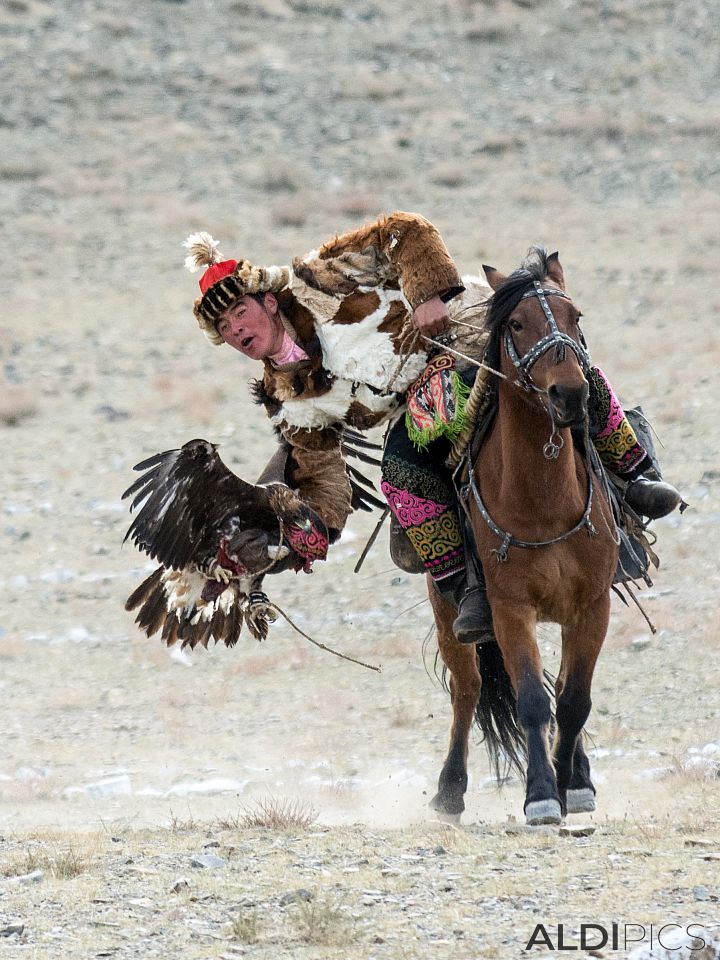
point(306, 526)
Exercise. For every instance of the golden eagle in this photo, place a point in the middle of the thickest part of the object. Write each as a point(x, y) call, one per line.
point(215, 536)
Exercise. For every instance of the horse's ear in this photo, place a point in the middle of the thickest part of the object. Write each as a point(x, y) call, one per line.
point(555, 270)
point(494, 277)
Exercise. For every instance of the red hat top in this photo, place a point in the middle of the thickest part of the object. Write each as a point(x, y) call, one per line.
point(215, 272)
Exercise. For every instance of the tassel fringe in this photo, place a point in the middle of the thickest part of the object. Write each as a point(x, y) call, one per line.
point(441, 428)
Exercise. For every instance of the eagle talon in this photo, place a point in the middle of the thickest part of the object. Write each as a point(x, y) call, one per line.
point(216, 571)
point(260, 607)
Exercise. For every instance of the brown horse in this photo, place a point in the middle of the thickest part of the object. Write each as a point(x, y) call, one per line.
point(545, 535)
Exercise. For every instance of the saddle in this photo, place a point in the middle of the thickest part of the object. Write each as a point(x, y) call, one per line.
point(636, 541)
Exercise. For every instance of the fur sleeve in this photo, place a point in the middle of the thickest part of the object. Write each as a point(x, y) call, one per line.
point(403, 248)
point(423, 264)
point(317, 471)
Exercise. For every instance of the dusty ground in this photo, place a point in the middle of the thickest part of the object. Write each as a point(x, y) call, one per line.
point(589, 126)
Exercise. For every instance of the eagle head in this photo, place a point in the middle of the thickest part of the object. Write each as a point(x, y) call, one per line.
point(200, 449)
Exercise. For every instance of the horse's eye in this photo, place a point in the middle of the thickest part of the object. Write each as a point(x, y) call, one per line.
point(516, 326)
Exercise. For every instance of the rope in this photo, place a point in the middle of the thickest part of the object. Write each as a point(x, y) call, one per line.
point(317, 643)
point(478, 397)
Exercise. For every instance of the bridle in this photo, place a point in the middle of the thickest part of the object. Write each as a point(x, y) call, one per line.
point(554, 338)
point(559, 342)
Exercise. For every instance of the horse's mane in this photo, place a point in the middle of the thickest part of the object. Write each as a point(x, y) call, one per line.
point(508, 295)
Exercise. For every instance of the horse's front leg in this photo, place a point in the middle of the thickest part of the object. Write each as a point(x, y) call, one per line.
point(581, 644)
point(461, 661)
point(580, 797)
point(515, 630)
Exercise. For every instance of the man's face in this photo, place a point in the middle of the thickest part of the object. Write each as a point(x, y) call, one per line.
point(252, 328)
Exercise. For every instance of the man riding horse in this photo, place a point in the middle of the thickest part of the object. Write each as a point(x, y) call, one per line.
point(345, 338)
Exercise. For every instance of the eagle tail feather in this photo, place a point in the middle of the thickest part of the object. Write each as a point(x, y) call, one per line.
point(145, 589)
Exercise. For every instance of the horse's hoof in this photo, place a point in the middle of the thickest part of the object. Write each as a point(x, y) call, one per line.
point(543, 811)
point(446, 810)
point(581, 801)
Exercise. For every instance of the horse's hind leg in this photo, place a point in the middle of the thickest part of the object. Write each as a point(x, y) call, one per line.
point(461, 661)
point(515, 630)
point(581, 642)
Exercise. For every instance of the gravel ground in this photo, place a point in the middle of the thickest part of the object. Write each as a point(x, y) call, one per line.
point(591, 127)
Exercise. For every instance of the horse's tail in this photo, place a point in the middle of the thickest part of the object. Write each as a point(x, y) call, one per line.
point(496, 714)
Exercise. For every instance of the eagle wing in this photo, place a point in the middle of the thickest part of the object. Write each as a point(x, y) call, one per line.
point(185, 498)
point(215, 536)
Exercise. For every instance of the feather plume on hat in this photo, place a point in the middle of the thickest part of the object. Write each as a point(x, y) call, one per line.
point(204, 251)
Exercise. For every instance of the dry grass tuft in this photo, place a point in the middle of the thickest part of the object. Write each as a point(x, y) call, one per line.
point(62, 863)
point(245, 927)
point(323, 921)
point(178, 825)
point(274, 814)
point(694, 768)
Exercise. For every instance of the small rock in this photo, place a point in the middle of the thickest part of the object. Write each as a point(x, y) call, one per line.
point(439, 850)
point(180, 884)
point(110, 413)
point(542, 829)
point(640, 643)
point(207, 861)
point(577, 830)
point(35, 877)
point(12, 929)
point(211, 843)
point(295, 896)
point(701, 893)
point(117, 785)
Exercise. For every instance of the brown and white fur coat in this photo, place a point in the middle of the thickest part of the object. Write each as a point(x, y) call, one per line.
point(348, 305)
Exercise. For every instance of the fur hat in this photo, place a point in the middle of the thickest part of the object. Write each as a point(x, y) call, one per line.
point(225, 281)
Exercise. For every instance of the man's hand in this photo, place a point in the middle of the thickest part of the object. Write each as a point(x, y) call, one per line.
point(431, 318)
